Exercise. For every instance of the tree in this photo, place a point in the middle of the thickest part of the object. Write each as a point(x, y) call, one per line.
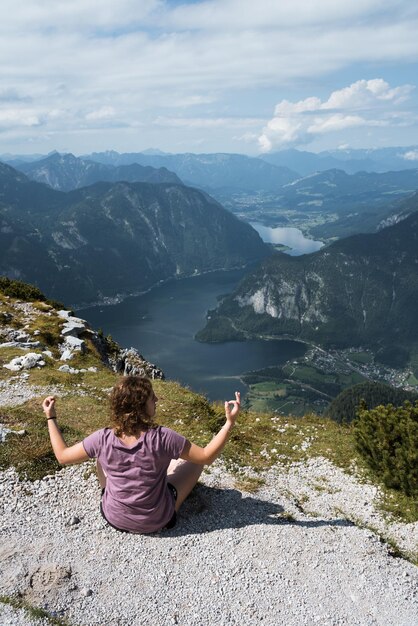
point(387, 439)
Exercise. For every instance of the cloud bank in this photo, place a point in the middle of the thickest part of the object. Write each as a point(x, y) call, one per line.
point(365, 103)
point(73, 73)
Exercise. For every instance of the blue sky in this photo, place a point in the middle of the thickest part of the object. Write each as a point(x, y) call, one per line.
point(207, 76)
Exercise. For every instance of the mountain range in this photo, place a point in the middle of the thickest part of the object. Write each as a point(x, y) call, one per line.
point(66, 172)
point(219, 171)
point(109, 239)
point(302, 162)
point(349, 160)
point(358, 291)
point(332, 203)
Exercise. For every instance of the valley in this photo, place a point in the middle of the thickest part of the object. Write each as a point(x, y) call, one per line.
point(327, 205)
point(308, 384)
point(301, 328)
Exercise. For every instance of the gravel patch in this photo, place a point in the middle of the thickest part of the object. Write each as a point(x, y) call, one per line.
point(321, 488)
point(16, 390)
point(234, 558)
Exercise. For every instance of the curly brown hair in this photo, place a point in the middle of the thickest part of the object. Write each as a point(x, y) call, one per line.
point(127, 403)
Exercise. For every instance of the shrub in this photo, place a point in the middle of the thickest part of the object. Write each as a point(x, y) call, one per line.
point(387, 439)
point(24, 291)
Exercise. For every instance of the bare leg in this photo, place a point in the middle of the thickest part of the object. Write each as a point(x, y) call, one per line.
point(101, 474)
point(183, 475)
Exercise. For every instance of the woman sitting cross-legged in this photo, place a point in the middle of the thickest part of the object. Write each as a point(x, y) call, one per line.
point(145, 471)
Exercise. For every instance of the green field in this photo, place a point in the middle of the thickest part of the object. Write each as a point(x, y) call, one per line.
point(360, 357)
point(296, 388)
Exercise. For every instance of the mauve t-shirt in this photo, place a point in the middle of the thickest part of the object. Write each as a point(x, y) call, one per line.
point(136, 497)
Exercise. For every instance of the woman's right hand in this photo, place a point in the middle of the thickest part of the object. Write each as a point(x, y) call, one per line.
point(48, 406)
point(231, 414)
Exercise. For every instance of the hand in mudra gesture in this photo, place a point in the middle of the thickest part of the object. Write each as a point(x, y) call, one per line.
point(232, 408)
point(48, 406)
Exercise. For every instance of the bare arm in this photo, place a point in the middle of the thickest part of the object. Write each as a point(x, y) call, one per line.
point(206, 455)
point(65, 455)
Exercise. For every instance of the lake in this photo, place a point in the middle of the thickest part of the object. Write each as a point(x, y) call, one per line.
point(291, 237)
point(162, 323)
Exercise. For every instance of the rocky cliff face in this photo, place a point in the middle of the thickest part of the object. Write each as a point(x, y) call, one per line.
point(112, 239)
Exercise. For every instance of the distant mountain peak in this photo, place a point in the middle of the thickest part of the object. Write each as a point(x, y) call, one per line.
point(154, 151)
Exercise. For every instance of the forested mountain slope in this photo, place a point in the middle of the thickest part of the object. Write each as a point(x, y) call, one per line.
point(362, 290)
point(110, 239)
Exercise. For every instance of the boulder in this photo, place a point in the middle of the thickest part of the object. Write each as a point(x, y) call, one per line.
point(27, 361)
point(75, 344)
point(4, 431)
point(67, 355)
point(71, 345)
point(72, 370)
point(73, 328)
point(18, 344)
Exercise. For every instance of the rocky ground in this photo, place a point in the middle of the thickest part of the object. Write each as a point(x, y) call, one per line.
point(309, 547)
point(234, 558)
point(305, 549)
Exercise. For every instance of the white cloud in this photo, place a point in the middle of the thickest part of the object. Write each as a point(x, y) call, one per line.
point(196, 122)
point(104, 113)
point(363, 103)
point(10, 118)
point(411, 155)
point(82, 15)
point(247, 137)
point(247, 14)
point(363, 93)
point(335, 122)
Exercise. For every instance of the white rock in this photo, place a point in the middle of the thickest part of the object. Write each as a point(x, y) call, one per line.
point(73, 328)
point(75, 344)
point(4, 431)
point(20, 344)
point(67, 355)
point(71, 345)
point(28, 361)
point(68, 370)
point(86, 592)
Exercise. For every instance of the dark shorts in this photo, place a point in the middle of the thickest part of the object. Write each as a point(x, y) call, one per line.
point(169, 525)
point(173, 520)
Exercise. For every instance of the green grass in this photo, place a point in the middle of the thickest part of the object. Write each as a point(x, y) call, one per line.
point(268, 386)
point(307, 374)
point(249, 483)
point(297, 388)
point(360, 357)
point(398, 505)
point(34, 613)
point(413, 380)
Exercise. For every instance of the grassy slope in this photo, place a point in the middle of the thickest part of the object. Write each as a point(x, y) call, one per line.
point(260, 440)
